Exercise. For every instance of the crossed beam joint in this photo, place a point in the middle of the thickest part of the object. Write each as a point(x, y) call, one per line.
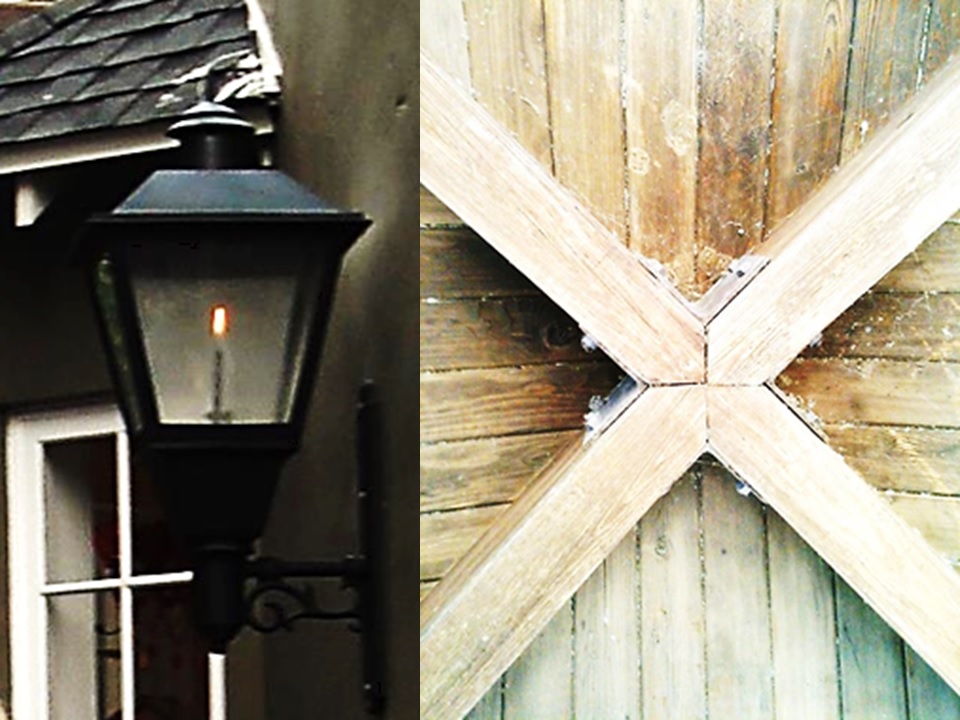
point(708, 385)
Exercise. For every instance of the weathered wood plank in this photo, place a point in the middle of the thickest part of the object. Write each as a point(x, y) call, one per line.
point(803, 626)
point(485, 472)
point(490, 706)
point(661, 113)
point(901, 458)
point(842, 518)
point(739, 653)
point(672, 606)
point(473, 165)
point(871, 661)
point(583, 66)
point(876, 392)
point(456, 263)
point(434, 213)
point(929, 696)
point(443, 36)
point(933, 267)
point(735, 117)
point(937, 519)
point(508, 60)
point(909, 326)
point(605, 642)
point(813, 43)
point(468, 404)
point(499, 597)
point(538, 685)
point(496, 332)
point(851, 233)
point(884, 65)
point(944, 36)
point(446, 536)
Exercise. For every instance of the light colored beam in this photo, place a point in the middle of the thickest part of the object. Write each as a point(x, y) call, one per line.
point(900, 188)
point(846, 521)
point(475, 167)
point(505, 590)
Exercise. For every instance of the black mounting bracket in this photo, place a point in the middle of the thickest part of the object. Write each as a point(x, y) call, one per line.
point(274, 604)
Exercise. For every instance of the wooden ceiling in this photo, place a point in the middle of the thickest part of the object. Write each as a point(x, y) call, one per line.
point(691, 129)
point(684, 135)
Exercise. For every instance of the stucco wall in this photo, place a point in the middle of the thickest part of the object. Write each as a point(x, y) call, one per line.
point(349, 131)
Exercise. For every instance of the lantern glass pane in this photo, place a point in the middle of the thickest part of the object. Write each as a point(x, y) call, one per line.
point(224, 326)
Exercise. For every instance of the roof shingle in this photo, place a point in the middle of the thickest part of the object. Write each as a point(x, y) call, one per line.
point(95, 64)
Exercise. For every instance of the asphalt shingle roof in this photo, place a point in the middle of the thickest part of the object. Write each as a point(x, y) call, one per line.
point(86, 65)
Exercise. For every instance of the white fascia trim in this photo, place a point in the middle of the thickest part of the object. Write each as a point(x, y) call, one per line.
point(103, 144)
point(269, 56)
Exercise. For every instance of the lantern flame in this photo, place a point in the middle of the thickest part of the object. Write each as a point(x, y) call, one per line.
point(218, 321)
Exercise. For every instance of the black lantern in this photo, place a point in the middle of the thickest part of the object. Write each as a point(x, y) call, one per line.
point(213, 286)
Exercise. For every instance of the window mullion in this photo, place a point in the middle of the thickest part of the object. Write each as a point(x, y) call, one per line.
point(125, 542)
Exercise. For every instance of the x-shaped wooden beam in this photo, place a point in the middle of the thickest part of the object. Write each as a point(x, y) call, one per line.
point(708, 385)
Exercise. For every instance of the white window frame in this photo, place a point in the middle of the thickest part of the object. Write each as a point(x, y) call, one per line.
point(27, 436)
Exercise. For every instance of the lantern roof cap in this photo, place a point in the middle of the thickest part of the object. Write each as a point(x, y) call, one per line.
point(214, 193)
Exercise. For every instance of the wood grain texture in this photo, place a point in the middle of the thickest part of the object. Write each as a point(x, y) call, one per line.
point(471, 163)
point(443, 36)
point(934, 267)
point(673, 623)
point(446, 536)
point(841, 517)
point(485, 472)
point(923, 460)
point(943, 39)
point(871, 661)
point(434, 213)
point(457, 264)
point(496, 332)
point(885, 67)
point(851, 233)
point(538, 684)
point(661, 92)
point(937, 519)
point(489, 608)
point(878, 392)
point(469, 404)
point(738, 647)
point(583, 65)
point(735, 117)
point(813, 44)
point(929, 696)
point(902, 326)
point(804, 635)
point(508, 54)
point(605, 639)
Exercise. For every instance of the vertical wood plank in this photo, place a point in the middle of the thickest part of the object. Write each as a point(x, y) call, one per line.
point(944, 36)
point(539, 684)
point(804, 627)
point(813, 41)
point(443, 36)
point(671, 607)
point(739, 654)
point(930, 697)
point(490, 706)
point(871, 661)
point(508, 62)
point(606, 650)
point(884, 66)
point(583, 66)
point(735, 117)
point(660, 88)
